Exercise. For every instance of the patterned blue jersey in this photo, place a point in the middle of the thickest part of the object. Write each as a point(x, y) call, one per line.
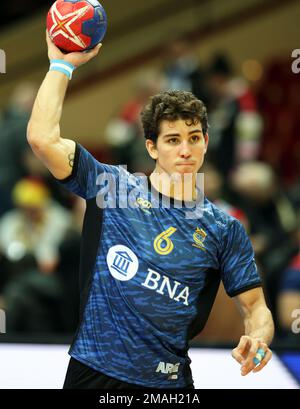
point(149, 275)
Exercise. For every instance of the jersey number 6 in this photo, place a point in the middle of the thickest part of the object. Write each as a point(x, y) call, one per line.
point(163, 245)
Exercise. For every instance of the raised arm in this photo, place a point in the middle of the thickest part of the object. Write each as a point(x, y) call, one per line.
point(259, 331)
point(43, 132)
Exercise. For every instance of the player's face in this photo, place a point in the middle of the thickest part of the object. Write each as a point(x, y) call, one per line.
point(180, 147)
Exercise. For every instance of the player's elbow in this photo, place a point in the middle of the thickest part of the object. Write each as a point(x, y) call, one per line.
point(39, 138)
point(31, 137)
point(34, 136)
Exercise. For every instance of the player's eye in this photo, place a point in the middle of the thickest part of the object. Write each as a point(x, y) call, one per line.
point(195, 138)
point(173, 141)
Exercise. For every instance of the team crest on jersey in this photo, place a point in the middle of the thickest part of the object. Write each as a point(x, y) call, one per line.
point(123, 264)
point(199, 236)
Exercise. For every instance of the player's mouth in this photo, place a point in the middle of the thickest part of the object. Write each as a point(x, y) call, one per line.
point(186, 164)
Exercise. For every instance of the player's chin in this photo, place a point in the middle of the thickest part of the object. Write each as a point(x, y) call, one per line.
point(186, 169)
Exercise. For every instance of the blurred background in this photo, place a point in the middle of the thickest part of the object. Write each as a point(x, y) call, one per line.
point(236, 57)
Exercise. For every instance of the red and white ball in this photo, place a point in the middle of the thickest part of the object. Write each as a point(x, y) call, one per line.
point(76, 25)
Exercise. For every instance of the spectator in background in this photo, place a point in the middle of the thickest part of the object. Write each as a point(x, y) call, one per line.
point(236, 125)
point(30, 236)
point(35, 227)
point(272, 221)
point(124, 134)
point(182, 70)
point(13, 140)
point(280, 106)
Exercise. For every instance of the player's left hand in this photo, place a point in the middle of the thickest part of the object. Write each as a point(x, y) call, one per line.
point(252, 353)
point(75, 58)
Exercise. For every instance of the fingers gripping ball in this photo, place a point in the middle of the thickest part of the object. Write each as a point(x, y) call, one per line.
point(260, 353)
point(76, 25)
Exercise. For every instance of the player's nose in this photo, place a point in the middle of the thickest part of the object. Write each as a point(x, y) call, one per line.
point(184, 150)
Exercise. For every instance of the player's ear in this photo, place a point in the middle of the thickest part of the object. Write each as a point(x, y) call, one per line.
point(206, 139)
point(151, 148)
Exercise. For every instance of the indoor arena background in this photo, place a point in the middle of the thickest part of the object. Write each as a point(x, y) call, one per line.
point(245, 52)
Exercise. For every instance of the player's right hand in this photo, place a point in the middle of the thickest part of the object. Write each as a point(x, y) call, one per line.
point(246, 351)
point(75, 58)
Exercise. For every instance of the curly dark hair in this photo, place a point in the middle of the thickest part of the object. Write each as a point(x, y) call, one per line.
point(172, 105)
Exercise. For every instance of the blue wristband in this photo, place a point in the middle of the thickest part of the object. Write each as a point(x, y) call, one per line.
point(62, 66)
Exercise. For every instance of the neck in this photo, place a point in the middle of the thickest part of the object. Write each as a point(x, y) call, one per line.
point(178, 186)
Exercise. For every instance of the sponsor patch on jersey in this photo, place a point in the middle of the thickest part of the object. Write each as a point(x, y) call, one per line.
point(123, 264)
point(168, 368)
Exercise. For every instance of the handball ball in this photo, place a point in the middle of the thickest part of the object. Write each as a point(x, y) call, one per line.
point(76, 25)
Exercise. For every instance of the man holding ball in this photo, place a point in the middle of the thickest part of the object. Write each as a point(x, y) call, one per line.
point(149, 272)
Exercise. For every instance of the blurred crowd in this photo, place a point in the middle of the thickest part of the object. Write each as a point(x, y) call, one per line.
point(252, 171)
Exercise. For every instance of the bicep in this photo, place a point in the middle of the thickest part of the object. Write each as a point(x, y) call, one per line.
point(58, 157)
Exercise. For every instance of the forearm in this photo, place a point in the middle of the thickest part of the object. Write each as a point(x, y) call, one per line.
point(259, 324)
point(43, 127)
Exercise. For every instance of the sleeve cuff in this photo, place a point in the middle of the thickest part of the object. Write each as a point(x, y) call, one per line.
point(245, 288)
point(75, 166)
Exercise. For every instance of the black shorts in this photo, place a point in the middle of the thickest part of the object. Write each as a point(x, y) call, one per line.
point(80, 376)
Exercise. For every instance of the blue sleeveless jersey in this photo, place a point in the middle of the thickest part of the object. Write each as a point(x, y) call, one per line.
point(149, 275)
